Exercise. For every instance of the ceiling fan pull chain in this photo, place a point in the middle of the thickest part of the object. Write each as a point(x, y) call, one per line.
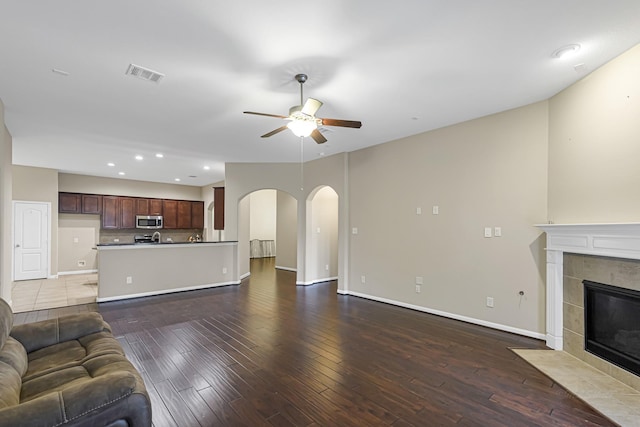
point(302, 163)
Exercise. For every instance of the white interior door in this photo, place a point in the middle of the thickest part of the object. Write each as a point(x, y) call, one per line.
point(31, 240)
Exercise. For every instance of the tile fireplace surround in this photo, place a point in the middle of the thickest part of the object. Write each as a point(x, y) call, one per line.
point(605, 253)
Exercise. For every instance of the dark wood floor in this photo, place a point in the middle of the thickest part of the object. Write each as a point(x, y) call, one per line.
point(268, 353)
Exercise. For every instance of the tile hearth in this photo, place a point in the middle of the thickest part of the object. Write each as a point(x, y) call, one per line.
point(612, 398)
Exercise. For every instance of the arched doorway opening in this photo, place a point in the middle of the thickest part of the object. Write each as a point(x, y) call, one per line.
point(321, 260)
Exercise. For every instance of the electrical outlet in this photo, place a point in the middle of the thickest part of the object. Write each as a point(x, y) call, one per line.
point(326, 267)
point(129, 280)
point(490, 302)
point(418, 211)
point(435, 210)
point(76, 240)
point(419, 280)
point(363, 279)
point(224, 270)
point(81, 263)
point(418, 289)
point(354, 230)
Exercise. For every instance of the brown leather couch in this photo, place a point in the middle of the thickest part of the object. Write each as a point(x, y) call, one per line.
point(69, 371)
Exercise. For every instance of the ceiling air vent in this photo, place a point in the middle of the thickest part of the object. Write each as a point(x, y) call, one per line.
point(144, 73)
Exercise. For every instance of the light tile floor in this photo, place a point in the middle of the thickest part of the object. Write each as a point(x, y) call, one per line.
point(29, 295)
point(605, 394)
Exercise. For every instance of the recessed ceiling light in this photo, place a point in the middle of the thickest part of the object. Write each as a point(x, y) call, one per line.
point(110, 164)
point(121, 173)
point(139, 157)
point(159, 155)
point(206, 168)
point(565, 50)
point(177, 180)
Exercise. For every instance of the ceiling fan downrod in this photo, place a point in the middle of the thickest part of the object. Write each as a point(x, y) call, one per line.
point(301, 78)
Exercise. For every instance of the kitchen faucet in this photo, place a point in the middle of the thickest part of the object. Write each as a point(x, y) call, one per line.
point(156, 237)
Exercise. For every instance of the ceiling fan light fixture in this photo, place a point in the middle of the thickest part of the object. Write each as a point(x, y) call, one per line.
point(302, 127)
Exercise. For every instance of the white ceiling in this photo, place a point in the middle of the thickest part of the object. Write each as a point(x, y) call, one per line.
point(400, 67)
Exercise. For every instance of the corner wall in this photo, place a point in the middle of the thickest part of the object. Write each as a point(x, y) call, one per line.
point(489, 172)
point(594, 146)
point(6, 210)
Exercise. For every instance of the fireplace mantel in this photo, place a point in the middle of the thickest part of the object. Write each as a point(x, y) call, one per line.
point(615, 240)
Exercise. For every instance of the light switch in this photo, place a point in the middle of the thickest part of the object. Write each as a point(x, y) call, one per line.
point(354, 230)
point(487, 232)
point(497, 231)
point(418, 211)
point(436, 210)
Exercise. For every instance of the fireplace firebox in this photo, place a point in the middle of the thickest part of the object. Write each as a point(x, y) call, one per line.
point(612, 324)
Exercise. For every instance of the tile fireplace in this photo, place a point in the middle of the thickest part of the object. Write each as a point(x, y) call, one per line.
point(603, 253)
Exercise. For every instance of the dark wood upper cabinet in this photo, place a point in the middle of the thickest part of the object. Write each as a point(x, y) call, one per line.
point(218, 208)
point(69, 203)
point(127, 212)
point(110, 212)
point(91, 204)
point(142, 206)
point(197, 214)
point(155, 207)
point(184, 214)
point(170, 213)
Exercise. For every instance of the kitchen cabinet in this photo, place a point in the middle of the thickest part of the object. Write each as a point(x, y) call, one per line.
point(110, 212)
point(197, 214)
point(91, 204)
point(184, 214)
point(127, 212)
point(148, 206)
point(69, 203)
point(79, 203)
point(170, 213)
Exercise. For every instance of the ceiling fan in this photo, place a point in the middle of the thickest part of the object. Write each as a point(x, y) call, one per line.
point(302, 119)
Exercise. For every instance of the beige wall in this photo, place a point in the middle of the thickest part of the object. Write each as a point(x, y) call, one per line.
point(40, 185)
point(323, 236)
point(6, 209)
point(286, 231)
point(594, 146)
point(125, 187)
point(77, 239)
point(489, 172)
point(262, 221)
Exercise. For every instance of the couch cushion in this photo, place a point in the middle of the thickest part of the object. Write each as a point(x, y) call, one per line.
point(11, 383)
point(6, 321)
point(71, 353)
point(14, 355)
point(74, 376)
point(35, 336)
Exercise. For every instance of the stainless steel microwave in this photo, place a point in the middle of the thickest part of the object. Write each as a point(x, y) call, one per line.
point(149, 221)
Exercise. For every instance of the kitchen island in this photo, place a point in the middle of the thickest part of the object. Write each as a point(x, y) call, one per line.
point(137, 270)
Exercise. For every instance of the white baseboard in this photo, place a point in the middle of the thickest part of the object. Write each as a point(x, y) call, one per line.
point(166, 291)
point(279, 267)
point(245, 275)
point(313, 282)
point(498, 326)
point(72, 272)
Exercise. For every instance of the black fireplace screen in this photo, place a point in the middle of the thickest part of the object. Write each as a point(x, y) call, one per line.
point(612, 324)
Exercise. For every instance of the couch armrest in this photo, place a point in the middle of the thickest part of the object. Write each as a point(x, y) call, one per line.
point(96, 401)
point(34, 336)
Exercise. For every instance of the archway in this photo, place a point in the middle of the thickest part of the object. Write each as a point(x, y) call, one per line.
point(321, 260)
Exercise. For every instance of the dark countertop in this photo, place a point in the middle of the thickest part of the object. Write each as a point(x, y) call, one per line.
point(161, 243)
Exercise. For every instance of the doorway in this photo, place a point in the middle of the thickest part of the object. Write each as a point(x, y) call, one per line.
point(31, 240)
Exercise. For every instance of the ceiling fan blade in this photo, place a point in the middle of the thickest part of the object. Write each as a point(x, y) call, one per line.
point(318, 137)
point(311, 106)
point(342, 123)
point(273, 132)
point(265, 114)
